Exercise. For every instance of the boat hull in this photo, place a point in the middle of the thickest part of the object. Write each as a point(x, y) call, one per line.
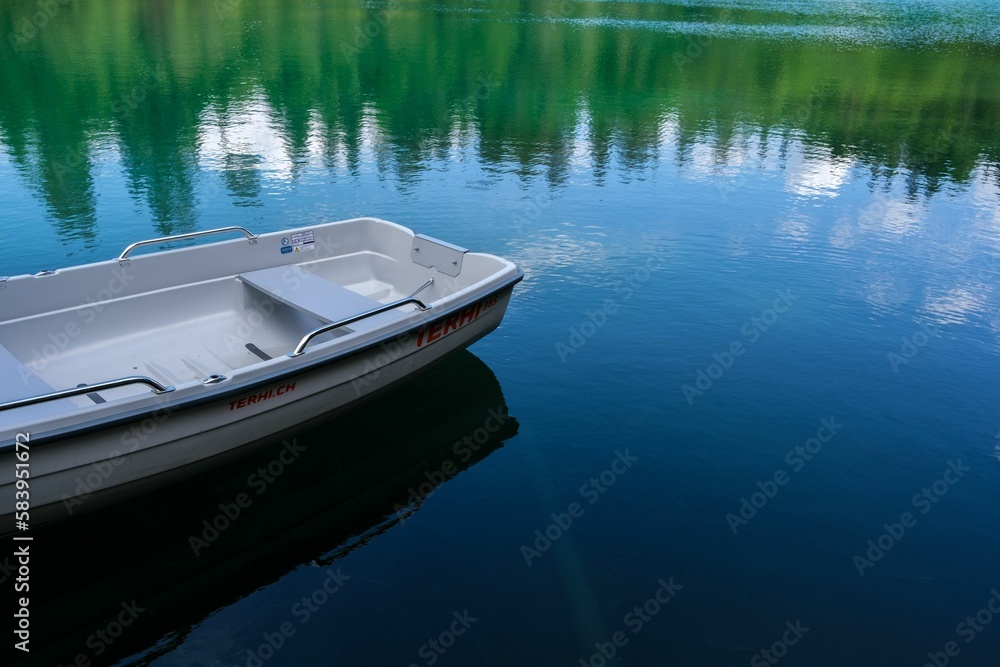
point(74, 472)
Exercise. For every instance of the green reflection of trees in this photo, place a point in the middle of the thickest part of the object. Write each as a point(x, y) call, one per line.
point(519, 75)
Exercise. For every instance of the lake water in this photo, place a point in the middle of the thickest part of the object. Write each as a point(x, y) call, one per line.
point(747, 393)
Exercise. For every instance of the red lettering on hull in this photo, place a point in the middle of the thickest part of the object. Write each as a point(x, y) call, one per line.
point(440, 329)
point(261, 397)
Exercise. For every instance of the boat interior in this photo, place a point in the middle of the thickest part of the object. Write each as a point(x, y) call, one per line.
point(198, 312)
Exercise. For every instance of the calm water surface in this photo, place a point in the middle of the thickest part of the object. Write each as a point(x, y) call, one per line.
point(748, 388)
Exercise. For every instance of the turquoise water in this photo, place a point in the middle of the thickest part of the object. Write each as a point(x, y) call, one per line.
point(748, 385)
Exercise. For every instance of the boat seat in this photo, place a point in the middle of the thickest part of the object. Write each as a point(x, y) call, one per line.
point(308, 292)
point(21, 381)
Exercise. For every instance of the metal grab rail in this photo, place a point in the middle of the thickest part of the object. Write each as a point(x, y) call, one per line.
point(124, 261)
point(300, 348)
point(88, 388)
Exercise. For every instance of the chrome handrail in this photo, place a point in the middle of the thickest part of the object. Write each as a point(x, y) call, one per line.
point(88, 388)
point(124, 261)
point(300, 348)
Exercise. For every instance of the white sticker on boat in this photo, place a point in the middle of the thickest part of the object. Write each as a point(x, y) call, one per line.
point(303, 241)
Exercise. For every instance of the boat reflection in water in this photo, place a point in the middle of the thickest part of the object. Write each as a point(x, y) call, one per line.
point(187, 550)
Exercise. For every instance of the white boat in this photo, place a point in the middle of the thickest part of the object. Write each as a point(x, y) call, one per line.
point(123, 375)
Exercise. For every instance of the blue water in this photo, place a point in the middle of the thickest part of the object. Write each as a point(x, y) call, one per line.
point(750, 373)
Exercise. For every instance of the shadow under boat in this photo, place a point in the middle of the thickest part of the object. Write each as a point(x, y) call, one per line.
point(187, 550)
